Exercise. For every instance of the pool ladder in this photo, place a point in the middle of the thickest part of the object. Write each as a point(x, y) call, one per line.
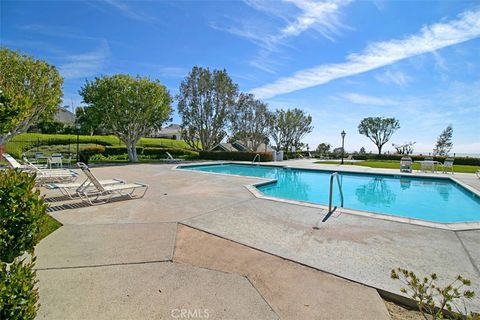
point(254, 158)
point(335, 174)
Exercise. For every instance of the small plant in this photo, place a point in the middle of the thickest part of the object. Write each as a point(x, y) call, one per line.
point(18, 295)
point(22, 211)
point(433, 301)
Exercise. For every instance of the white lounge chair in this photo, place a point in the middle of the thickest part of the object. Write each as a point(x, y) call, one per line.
point(72, 189)
point(93, 193)
point(171, 159)
point(45, 176)
point(12, 162)
point(406, 164)
point(478, 174)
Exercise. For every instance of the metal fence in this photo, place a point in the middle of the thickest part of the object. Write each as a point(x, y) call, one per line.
point(68, 146)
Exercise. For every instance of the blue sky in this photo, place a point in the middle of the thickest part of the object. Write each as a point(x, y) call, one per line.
point(341, 61)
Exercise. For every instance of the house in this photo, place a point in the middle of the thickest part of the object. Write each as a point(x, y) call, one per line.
point(63, 115)
point(238, 146)
point(173, 131)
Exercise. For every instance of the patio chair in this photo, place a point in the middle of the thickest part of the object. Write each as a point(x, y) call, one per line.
point(92, 194)
point(448, 165)
point(55, 159)
point(406, 164)
point(38, 156)
point(478, 174)
point(428, 164)
point(171, 159)
point(73, 189)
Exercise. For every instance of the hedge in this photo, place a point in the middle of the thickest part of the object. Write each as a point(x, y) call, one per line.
point(117, 150)
point(457, 160)
point(235, 155)
point(162, 152)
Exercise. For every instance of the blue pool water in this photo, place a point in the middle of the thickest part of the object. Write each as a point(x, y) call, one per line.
point(437, 200)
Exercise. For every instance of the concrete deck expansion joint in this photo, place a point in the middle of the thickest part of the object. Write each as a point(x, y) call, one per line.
point(239, 256)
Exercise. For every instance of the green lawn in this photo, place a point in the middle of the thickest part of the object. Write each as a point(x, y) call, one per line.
point(48, 226)
point(396, 165)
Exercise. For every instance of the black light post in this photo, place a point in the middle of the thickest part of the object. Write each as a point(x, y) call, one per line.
point(343, 143)
point(77, 126)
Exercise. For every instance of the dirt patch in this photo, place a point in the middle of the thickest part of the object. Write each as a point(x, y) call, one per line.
point(400, 313)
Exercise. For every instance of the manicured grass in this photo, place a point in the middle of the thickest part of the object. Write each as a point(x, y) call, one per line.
point(48, 226)
point(396, 165)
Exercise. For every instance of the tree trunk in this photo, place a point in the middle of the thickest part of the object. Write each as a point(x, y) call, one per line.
point(132, 151)
point(379, 149)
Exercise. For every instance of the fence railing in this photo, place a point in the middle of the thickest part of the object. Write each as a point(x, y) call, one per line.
point(69, 146)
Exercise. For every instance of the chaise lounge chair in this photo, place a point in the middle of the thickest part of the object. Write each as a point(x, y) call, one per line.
point(406, 164)
point(478, 174)
point(171, 159)
point(96, 190)
point(42, 176)
point(73, 189)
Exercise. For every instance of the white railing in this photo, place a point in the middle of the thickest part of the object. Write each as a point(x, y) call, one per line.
point(256, 156)
point(335, 174)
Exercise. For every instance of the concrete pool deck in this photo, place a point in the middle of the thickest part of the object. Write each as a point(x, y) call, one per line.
point(135, 240)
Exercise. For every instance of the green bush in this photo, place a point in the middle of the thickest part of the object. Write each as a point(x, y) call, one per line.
point(234, 155)
point(22, 211)
point(118, 150)
point(86, 153)
point(162, 152)
point(468, 161)
point(18, 295)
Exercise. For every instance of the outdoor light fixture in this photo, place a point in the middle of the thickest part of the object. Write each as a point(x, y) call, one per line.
point(343, 134)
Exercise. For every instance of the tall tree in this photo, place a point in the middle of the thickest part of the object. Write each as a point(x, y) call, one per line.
point(204, 102)
point(249, 119)
point(130, 106)
point(90, 120)
point(378, 130)
point(31, 90)
point(288, 128)
point(444, 142)
point(323, 148)
point(406, 148)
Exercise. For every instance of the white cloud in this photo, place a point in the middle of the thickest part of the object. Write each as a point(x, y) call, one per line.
point(430, 38)
point(85, 64)
point(129, 11)
point(357, 98)
point(393, 76)
point(297, 16)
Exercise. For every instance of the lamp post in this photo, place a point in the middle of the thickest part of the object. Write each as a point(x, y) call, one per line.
point(343, 134)
point(77, 126)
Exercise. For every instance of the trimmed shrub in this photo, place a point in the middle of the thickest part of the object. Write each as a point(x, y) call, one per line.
point(86, 153)
point(18, 295)
point(22, 211)
point(117, 150)
point(162, 152)
point(468, 161)
point(235, 155)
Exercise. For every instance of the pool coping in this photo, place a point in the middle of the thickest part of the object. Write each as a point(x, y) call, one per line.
point(453, 226)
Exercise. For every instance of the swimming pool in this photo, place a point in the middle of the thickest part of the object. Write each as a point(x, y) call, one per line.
point(433, 199)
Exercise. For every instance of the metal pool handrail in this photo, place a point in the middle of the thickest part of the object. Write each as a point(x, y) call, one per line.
point(335, 174)
point(257, 155)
